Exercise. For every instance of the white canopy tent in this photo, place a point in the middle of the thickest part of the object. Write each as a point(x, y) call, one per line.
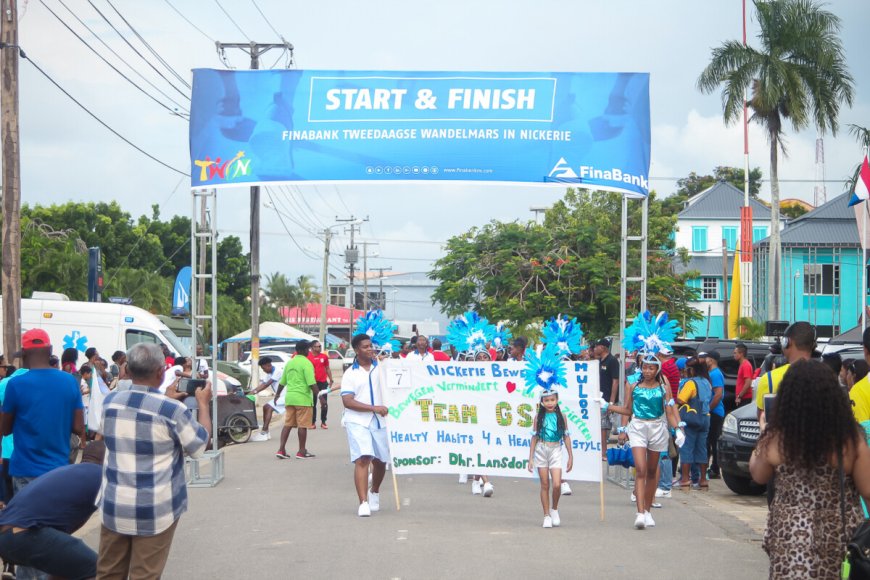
point(272, 332)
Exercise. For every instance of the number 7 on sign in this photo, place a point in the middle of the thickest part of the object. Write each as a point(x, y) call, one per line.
point(398, 378)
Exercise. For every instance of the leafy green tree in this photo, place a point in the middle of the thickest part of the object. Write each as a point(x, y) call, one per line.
point(148, 290)
point(52, 261)
point(524, 273)
point(798, 74)
point(234, 269)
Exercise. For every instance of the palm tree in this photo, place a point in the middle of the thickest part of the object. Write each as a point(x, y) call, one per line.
point(280, 293)
point(798, 74)
point(306, 292)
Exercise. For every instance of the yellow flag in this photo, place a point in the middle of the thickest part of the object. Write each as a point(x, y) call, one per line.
point(734, 305)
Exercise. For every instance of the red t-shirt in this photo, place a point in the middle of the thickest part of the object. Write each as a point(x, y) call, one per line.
point(321, 363)
point(440, 355)
point(672, 373)
point(743, 373)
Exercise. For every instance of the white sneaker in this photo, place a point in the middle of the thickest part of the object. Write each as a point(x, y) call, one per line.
point(463, 478)
point(370, 479)
point(648, 520)
point(258, 436)
point(364, 510)
point(374, 501)
point(633, 498)
point(566, 489)
point(548, 522)
point(662, 493)
point(656, 505)
point(488, 489)
point(640, 522)
point(475, 487)
point(554, 515)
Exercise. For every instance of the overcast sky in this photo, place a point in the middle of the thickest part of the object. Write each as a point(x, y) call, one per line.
point(66, 155)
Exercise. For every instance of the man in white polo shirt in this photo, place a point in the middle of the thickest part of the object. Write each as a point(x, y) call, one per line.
point(271, 377)
point(365, 422)
point(421, 351)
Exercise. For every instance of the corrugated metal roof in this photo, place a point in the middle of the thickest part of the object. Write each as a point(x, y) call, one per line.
point(705, 265)
point(722, 201)
point(831, 224)
point(836, 209)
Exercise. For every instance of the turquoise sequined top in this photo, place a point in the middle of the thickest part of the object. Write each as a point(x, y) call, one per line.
point(549, 429)
point(647, 403)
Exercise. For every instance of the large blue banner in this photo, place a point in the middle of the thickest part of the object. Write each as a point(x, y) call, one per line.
point(257, 127)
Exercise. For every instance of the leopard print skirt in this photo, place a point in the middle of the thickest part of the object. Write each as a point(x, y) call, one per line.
point(804, 536)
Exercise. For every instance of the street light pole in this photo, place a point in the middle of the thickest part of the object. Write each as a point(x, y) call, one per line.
point(327, 237)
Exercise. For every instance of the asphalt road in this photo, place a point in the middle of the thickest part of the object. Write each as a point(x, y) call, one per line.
point(272, 518)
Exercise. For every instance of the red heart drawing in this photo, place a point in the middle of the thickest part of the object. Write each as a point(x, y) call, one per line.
point(511, 386)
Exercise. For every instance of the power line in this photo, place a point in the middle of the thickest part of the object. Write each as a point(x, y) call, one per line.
point(96, 118)
point(341, 199)
point(278, 34)
point(103, 42)
point(236, 24)
point(113, 67)
point(197, 28)
point(286, 229)
point(134, 49)
point(150, 48)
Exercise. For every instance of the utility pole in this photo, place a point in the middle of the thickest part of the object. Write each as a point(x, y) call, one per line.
point(11, 230)
point(351, 257)
point(324, 292)
point(366, 274)
point(255, 51)
point(382, 302)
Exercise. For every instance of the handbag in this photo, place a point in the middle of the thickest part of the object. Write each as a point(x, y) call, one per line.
point(856, 561)
point(620, 455)
point(673, 453)
point(691, 417)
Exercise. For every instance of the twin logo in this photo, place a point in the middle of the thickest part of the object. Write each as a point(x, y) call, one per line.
point(216, 169)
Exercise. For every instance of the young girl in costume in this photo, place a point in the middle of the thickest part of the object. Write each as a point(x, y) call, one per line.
point(650, 405)
point(546, 454)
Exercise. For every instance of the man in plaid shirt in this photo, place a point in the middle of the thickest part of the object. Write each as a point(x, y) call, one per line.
point(144, 492)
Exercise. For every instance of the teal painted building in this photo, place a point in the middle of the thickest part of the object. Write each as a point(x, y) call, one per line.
point(820, 271)
point(710, 219)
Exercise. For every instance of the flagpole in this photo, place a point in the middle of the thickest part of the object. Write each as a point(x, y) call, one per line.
point(864, 261)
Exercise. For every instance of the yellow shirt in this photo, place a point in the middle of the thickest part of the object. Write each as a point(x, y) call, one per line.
point(763, 389)
point(688, 391)
point(860, 397)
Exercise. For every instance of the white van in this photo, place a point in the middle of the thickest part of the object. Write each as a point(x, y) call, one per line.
point(81, 325)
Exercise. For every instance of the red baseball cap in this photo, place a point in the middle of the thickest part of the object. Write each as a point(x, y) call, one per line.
point(35, 338)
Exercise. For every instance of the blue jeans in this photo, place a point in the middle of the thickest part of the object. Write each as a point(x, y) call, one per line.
point(694, 450)
point(50, 551)
point(666, 472)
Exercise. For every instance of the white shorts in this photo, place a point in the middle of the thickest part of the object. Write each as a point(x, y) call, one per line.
point(650, 434)
point(548, 456)
point(278, 407)
point(367, 441)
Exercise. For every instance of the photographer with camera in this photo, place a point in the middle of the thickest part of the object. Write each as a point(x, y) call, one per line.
point(147, 436)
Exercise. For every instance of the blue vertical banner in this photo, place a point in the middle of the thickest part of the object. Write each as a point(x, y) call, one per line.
point(258, 127)
point(181, 293)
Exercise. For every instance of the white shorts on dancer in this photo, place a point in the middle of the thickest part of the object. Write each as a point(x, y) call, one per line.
point(650, 434)
point(278, 407)
point(369, 441)
point(548, 455)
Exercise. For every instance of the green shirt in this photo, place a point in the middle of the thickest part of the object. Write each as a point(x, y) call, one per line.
point(297, 378)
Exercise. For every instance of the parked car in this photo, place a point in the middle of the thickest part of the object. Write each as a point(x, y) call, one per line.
point(740, 432)
point(347, 361)
point(279, 358)
point(756, 353)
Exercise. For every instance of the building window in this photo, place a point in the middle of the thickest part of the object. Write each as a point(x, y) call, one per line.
point(822, 279)
point(759, 233)
point(729, 234)
point(709, 289)
point(338, 296)
point(699, 238)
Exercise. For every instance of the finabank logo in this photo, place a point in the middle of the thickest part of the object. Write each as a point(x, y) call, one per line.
point(562, 170)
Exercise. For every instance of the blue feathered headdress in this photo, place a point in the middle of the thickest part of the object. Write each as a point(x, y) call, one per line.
point(544, 370)
point(648, 336)
point(378, 328)
point(563, 333)
point(470, 332)
point(501, 337)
